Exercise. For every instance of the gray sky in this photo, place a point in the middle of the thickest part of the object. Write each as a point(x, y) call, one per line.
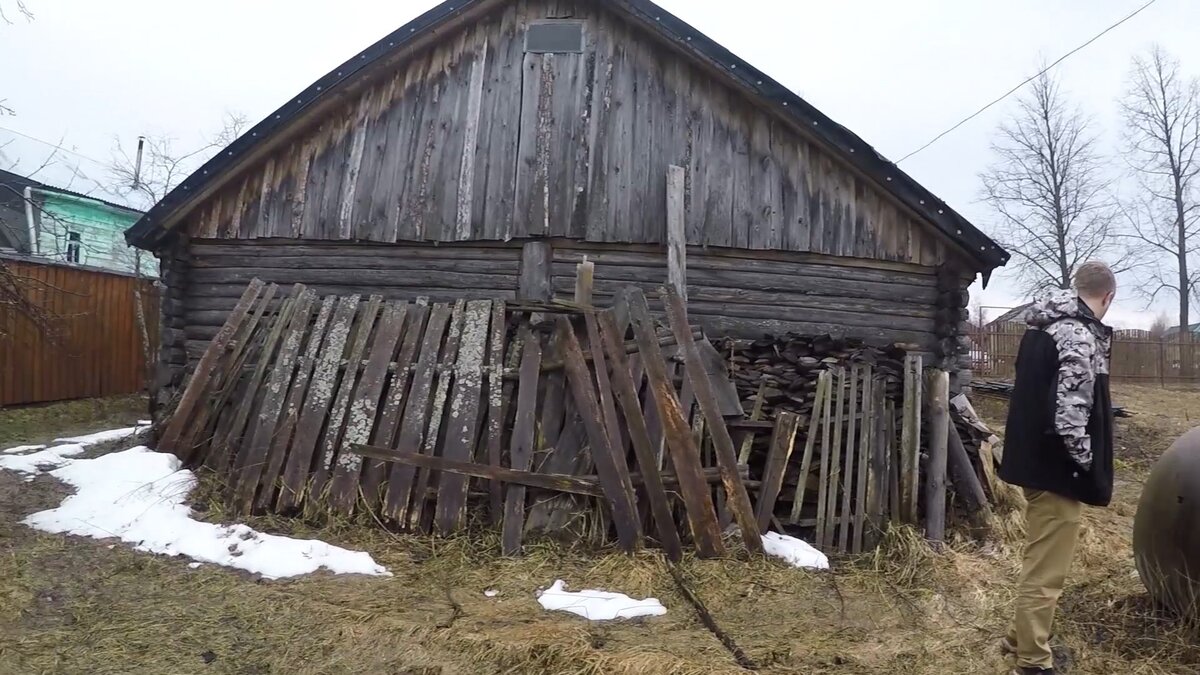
point(896, 73)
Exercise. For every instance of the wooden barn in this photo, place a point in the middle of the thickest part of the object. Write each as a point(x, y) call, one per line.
point(487, 147)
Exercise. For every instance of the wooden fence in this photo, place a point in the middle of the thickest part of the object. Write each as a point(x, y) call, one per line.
point(89, 345)
point(1137, 358)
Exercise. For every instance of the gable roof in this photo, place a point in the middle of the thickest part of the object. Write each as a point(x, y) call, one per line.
point(1015, 314)
point(15, 180)
point(151, 229)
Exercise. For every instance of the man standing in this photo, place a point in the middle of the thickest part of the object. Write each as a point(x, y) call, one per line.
point(1058, 446)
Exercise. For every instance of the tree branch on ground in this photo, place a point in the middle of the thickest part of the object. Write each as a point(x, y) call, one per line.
point(1046, 185)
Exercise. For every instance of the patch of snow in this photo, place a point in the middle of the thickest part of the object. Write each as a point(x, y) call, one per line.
point(23, 448)
point(491, 593)
point(194, 565)
point(138, 497)
point(796, 552)
point(598, 605)
point(144, 423)
point(101, 436)
point(36, 462)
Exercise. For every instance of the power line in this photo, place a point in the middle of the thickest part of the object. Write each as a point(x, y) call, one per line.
point(1010, 92)
point(56, 146)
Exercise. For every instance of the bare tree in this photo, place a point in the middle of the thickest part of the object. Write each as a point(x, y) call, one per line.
point(14, 8)
point(1047, 188)
point(1161, 112)
point(1158, 329)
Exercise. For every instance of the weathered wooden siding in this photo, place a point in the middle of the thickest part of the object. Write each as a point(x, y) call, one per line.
point(474, 139)
point(728, 293)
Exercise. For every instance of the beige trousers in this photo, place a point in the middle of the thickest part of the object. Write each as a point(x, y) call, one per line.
point(1052, 530)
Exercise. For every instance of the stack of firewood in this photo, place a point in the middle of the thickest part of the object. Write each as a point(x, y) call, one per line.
point(785, 369)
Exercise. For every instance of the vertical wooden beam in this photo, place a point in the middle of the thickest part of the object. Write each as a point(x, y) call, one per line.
point(676, 230)
point(848, 468)
point(535, 272)
point(823, 479)
point(866, 447)
point(910, 439)
point(810, 442)
point(522, 440)
point(835, 462)
point(706, 398)
point(783, 438)
point(585, 274)
point(935, 481)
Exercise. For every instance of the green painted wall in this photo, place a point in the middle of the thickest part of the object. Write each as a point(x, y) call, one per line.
point(100, 228)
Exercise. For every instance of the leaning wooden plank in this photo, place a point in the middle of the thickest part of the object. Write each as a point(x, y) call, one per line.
point(522, 441)
point(877, 496)
point(783, 439)
point(416, 411)
point(546, 481)
point(316, 405)
point(866, 445)
point(810, 442)
point(257, 450)
point(728, 401)
point(604, 394)
point(496, 389)
point(627, 396)
point(247, 468)
point(464, 414)
point(685, 456)
point(230, 383)
point(282, 440)
point(614, 474)
point(835, 460)
point(331, 439)
point(893, 466)
point(364, 404)
point(706, 399)
point(375, 471)
point(851, 455)
point(197, 385)
point(417, 517)
point(823, 479)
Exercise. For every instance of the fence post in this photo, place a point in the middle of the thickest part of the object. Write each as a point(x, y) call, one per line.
point(1162, 362)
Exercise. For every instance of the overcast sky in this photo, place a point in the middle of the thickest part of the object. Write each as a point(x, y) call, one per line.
point(896, 73)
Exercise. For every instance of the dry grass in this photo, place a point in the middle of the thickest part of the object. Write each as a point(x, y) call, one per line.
point(78, 606)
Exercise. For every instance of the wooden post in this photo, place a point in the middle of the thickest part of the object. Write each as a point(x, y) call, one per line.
point(536, 278)
point(910, 441)
point(676, 232)
point(966, 482)
point(935, 481)
point(585, 274)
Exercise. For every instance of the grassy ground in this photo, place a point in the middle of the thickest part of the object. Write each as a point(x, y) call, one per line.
point(69, 605)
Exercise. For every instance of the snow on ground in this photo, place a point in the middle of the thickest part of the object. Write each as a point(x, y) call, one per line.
point(23, 449)
point(139, 495)
point(103, 436)
point(796, 552)
point(598, 605)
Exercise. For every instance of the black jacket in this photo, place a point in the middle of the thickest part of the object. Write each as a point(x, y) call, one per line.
point(1059, 435)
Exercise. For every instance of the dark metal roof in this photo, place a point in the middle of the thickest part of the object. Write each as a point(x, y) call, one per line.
point(147, 232)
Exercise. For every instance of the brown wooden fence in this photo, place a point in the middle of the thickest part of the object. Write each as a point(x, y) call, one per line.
point(1137, 357)
point(91, 344)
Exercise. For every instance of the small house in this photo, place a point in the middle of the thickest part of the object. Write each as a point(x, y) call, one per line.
point(489, 146)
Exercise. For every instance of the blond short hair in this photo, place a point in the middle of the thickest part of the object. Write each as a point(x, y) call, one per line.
point(1094, 279)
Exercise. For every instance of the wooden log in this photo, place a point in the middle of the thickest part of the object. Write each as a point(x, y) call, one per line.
point(614, 474)
point(522, 440)
point(783, 439)
point(685, 457)
point(643, 447)
point(935, 479)
point(585, 275)
point(464, 414)
point(962, 472)
point(535, 277)
point(910, 439)
point(824, 389)
point(316, 406)
point(676, 230)
point(706, 398)
point(194, 392)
